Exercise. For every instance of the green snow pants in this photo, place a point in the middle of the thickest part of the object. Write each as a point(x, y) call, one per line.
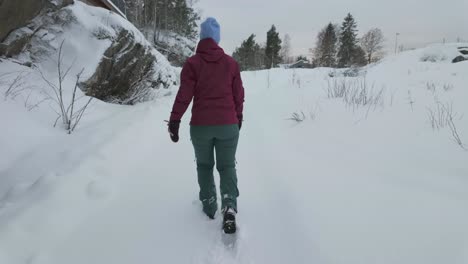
point(222, 139)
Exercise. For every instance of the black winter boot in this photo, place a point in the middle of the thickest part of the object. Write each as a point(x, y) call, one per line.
point(229, 220)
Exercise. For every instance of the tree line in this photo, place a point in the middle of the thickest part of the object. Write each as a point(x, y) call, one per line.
point(162, 21)
point(336, 46)
point(176, 16)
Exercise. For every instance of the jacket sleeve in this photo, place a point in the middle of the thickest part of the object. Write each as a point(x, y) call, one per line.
point(188, 81)
point(238, 92)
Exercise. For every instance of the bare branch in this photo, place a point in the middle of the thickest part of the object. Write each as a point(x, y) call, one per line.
point(81, 114)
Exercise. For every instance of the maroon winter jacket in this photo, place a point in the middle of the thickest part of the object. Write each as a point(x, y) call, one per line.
point(213, 80)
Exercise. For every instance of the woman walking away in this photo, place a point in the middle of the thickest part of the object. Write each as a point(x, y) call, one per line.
point(213, 80)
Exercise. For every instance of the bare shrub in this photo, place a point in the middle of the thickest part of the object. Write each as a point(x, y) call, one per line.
point(15, 87)
point(296, 79)
point(447, 87)
point(297, 117)
point(68, 113)
point(442, 116)
point(411, 101)
point(455, 135)
point(433, 57)
point(432, 87)
point(136, 95)
point(356, 92)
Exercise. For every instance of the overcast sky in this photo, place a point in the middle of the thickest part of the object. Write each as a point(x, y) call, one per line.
point(419, 22)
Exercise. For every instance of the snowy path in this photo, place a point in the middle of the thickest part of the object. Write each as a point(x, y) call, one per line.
point(156, 215)
point(333, 190)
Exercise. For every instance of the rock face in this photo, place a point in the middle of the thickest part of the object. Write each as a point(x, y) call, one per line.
point(459, 59)
point(17, 14)
point(126, 72)
point(130, 69)
point(463, 57)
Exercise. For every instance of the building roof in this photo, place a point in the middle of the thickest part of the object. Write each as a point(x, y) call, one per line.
point(301, 63)
point(111, 6)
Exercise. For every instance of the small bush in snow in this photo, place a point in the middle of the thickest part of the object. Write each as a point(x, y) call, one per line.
point(432, 87)
point(70, 115)
point(296, 79)
point(442, 116)
point(298, 117)
point(356, 92)
point(411, 101)
point(433, 57)
point(447, 87)
point(16, 86)
point(352, 72)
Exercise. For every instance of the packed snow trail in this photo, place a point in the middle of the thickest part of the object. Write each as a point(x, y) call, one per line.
point(156, 216)
point(343, 187)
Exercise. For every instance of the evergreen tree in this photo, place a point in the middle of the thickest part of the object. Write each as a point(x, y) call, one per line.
point(247, 55)
point(359, 57)
point(325, 51)
point(302, 58)
point(162, 16)
point(348, 42)
point(272, 49)
point(170, 24)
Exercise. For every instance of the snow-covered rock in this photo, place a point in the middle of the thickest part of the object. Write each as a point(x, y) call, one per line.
point(120, 65)
point(175, 47)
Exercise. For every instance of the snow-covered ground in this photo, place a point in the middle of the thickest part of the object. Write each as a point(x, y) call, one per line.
point(349, 184)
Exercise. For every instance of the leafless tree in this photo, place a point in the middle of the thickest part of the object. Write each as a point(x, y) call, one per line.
point(372, 43)
point(285, 52)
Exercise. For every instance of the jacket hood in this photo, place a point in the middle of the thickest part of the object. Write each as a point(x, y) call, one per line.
point(209, 50)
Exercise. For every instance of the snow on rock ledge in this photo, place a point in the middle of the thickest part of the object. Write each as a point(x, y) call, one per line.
point(120, 65)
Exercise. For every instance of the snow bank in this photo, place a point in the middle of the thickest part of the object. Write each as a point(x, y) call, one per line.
point(348, 184)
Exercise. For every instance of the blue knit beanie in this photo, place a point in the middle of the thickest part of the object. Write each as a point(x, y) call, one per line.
point(210, 29)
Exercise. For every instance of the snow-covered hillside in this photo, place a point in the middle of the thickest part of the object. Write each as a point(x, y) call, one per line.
point(363, 178)
point(118, 63)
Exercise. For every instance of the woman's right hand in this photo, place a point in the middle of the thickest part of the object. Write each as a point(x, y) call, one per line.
point(173, 129)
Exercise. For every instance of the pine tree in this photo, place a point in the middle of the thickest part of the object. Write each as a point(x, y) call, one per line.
point(302, 58)
point(325, 51)
point(272, 49)
point(359, 57)
point(163, 16)
point(348, 42)
point(247, 55)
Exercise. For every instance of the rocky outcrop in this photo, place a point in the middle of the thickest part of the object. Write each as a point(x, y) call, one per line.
point(459, 59)
point(126, 69)
point(16, 14)
point(126, 74)
point(18, 19)
point(463, 57)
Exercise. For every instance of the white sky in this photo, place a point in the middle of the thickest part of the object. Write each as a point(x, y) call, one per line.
point(419, 22)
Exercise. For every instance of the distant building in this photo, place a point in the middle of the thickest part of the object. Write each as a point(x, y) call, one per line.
point(107, 4)
point(301, 64)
